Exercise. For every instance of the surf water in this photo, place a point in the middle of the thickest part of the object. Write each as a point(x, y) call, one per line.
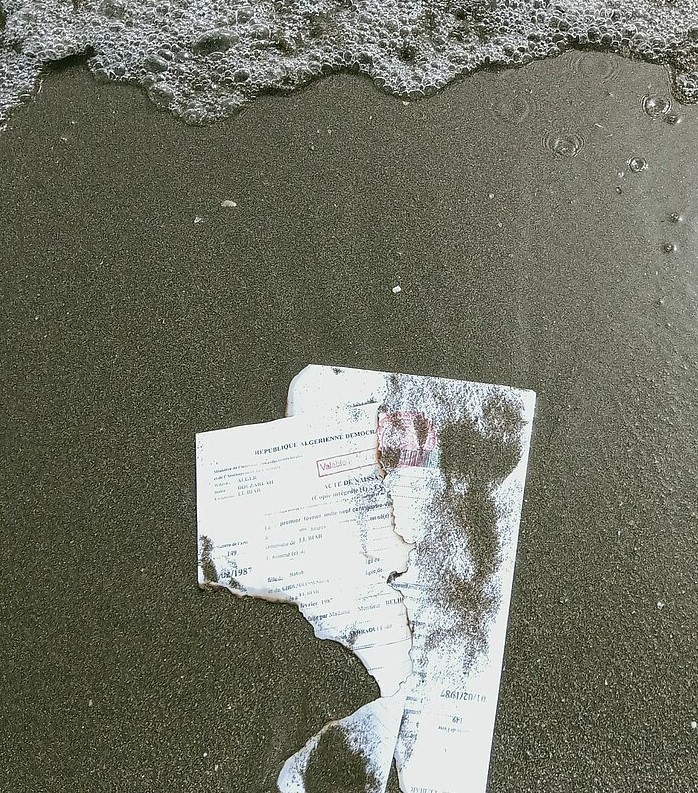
point(204, 59)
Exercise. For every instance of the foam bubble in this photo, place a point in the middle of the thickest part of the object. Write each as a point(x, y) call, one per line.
point(205, 60)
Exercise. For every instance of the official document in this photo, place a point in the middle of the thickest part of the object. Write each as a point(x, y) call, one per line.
point(386, 507)
point(295, 510)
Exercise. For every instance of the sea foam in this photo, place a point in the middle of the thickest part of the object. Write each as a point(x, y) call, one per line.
point(204, 59)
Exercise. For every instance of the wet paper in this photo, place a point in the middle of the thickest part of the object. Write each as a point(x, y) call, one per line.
point(294, 510)
point(455, 456)
point(387, 508)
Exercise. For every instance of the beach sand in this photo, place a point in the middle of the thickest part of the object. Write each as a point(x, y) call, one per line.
point(129, 325)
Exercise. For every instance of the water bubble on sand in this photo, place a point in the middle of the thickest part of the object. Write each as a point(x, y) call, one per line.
point(161, 94)
point(244, 14)
point(655, 106)
point(566, 145)
point(216, 40)
point(155, 63)
point(637, 164)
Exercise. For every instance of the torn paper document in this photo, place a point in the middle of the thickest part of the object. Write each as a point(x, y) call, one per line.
point(387, 508)
point(294, 510)
point(455, 454)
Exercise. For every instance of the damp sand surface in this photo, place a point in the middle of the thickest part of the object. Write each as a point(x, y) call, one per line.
point(137, 309)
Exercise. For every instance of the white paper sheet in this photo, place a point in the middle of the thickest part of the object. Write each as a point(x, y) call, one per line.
point(295, 510)
point(300, 510)
point(456, 455)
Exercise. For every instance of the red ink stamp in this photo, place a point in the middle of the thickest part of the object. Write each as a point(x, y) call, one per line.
point(406, 438)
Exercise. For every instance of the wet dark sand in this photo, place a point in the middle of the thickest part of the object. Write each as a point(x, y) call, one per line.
point(127, 327)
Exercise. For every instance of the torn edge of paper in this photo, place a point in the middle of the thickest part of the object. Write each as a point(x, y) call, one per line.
point(423, 480)
point(460, 501)
point(345, 620)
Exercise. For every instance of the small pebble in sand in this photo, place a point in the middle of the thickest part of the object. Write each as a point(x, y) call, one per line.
point(694, 725)
point(668, 247)
point(228, 203)
point(197, 219)
point(397, 290)
point(490, 196)
point(660, 604)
